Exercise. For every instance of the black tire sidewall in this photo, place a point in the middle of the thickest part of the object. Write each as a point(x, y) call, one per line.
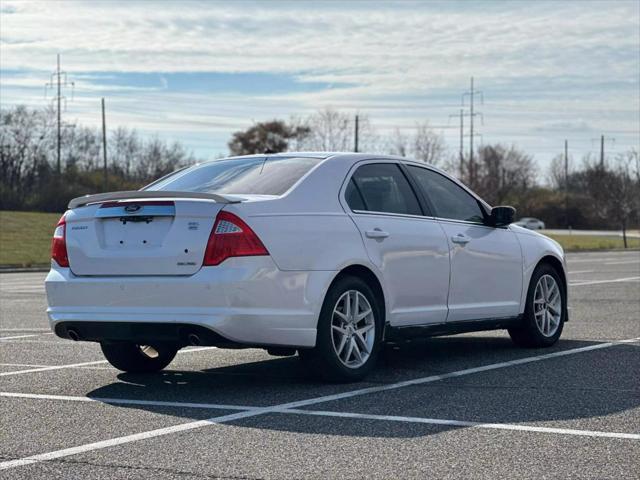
point(531, 335)
point(126, 356)
point(323, 358)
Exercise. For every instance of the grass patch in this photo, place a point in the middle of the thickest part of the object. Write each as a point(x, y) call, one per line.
point(25, 237)
point(575, 243)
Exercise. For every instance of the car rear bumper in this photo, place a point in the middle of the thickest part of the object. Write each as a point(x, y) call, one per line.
point(244, 300)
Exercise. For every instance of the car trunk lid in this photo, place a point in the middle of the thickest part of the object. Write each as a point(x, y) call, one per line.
point(131, 234)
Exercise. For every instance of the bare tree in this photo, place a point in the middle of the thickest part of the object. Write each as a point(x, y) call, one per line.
point(333, 131)
point(614, 190)
point(425, 145)
point(502, 172)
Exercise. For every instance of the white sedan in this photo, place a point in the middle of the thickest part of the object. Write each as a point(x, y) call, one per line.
point(329, 255)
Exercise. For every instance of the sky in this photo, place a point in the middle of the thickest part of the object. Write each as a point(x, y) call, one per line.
point(196, 71)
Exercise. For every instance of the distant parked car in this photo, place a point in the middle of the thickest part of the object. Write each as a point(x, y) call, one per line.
point(530, 223)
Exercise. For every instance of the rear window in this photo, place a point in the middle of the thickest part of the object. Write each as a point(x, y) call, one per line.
point(250, 176)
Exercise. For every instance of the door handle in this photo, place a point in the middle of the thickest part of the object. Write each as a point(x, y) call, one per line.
point(376, 233)
point(460, 239)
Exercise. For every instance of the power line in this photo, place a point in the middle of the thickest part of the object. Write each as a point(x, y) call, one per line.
point(59, 83)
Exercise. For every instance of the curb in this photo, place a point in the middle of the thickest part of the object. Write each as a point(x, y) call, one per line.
point(16, 269)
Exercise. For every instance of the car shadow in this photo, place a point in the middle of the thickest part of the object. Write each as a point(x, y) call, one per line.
point(587, 385)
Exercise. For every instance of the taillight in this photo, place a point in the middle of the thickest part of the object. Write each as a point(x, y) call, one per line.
point(231, 237)
point(59, 245)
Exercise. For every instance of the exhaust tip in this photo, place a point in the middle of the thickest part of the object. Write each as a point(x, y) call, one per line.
point(73, 335)
point(194, 339)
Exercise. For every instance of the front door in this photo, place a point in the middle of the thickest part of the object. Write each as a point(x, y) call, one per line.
point(486, 262)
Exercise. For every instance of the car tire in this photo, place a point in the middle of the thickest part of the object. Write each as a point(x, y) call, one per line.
point(347, 346)
point(134, 358)
point(543, 320)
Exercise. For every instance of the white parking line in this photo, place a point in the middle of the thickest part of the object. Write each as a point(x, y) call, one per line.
point(122, 440)
point(30, 365)
point(25, 330)
point(328, 413)
point(580, 271)
point(76, 365)
point(21, 336)
point(128, 401)
point(598, 282)
point(622, 263)
point(53, 367)
point(462, 423)
point(290, 405)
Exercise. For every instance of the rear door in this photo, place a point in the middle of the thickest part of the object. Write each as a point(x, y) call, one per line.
point(139, 237)
point(406, 245)
point(486, 262)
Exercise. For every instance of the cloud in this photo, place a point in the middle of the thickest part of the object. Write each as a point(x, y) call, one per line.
point(544, 67)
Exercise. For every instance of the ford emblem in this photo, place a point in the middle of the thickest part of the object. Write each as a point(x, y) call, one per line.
point(132, 208)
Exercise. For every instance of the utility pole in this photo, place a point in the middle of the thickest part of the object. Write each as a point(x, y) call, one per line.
point(59, 83)
point(471, 134)
point(461, 142)
point(472, 93)
point(355, 146)
point(566, 183)
point(602, 140)
point(104, 147)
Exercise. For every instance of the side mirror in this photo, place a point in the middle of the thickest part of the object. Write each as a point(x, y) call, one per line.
point(502, 216)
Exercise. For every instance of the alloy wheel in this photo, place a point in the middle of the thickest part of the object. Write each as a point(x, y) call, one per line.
point(353, 329)
point(547, 305)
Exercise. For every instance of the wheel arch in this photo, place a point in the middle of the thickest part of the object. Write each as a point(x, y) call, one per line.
point(366, 274)
point(558, 266)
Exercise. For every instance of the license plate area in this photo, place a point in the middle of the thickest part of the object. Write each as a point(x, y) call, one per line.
point(134, 232)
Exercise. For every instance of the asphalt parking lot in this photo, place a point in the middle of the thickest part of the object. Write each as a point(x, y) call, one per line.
point(467, 406)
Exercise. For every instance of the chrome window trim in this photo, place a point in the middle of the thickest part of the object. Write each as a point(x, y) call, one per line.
point(390, 214)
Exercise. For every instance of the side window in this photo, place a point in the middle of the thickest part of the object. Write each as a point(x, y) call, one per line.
point(381, 187)
point(353, 196)
point(449, 199)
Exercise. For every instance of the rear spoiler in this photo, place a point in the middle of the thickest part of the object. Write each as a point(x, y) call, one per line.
point(135, 194)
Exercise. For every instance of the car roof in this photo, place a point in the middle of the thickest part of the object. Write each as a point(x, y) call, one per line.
point(351, 157)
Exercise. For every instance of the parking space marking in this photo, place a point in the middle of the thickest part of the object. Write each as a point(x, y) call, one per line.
point(631, 260)
point(14, 337)
point(53, 367)
point(582, 260)
point(460, 423)
point(24, 330)
point(327, 413)
point(76, 365)
point(122, 440)
point(291, 405)
point(598, 282)
point(580, 271)
point(129, 401)
point(29, 365)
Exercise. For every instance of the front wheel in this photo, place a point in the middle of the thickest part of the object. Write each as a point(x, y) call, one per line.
point(545, 312)
point(349, 332)
point(134, 358)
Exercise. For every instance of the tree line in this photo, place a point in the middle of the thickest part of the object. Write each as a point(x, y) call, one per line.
point(29, 179)
point(590, 195)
